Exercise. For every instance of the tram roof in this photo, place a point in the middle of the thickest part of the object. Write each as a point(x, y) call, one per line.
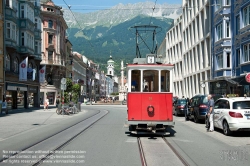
point(155, 66)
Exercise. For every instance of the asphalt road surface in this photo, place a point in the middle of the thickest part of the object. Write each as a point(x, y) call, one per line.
point(105, 142)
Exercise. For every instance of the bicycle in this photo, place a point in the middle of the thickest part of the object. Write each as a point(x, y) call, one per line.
point(63, 111)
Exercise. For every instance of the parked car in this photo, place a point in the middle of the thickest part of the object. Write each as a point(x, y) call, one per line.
point(180, 106)
point(174, 99)
point(198, 107)
point(232, 114)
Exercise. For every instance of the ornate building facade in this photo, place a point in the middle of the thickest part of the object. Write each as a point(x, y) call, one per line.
point(22, 53)
point(54, 50)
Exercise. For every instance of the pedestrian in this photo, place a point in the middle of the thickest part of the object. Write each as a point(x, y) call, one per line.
point(57, 102)
point(210, 113)
point(46, 104)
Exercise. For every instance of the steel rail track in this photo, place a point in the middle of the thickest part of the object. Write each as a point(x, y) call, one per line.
point(175, 152)
point(60, 146)
point(142, 156)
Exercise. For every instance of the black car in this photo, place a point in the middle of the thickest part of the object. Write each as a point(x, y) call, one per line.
point(180, 106)
point(198, 107)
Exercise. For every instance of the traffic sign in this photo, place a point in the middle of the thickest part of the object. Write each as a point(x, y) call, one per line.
point(63, 87)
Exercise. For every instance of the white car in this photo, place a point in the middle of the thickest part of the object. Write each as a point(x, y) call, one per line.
point(232, 114)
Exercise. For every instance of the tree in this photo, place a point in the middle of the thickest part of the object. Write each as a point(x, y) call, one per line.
point(76, 89)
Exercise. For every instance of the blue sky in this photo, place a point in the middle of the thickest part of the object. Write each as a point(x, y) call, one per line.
point(87, 5)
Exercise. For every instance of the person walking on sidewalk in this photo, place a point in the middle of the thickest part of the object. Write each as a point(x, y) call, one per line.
point(210, 112)
point(46, 104)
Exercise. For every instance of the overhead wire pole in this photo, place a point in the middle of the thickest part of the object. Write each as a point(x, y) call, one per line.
point(152, 12)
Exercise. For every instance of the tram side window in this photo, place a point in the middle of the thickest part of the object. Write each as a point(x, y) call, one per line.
point(135, 84)
point(165, 81)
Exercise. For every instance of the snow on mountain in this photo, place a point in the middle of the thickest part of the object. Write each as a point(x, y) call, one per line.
point(121, 13)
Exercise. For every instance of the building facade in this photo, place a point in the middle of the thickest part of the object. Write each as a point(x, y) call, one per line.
point(221, 49)
point(22, 55)
point(240, 28)
point(79, 72)
point(188, 48)
point(2, 50)
point(102, 85)
point(230, 27)
point(54, 50)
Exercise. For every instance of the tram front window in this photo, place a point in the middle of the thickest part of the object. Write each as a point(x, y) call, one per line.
point(150, 81)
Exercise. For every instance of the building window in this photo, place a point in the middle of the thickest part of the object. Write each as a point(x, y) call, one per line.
point(228, 59)
point(246, 52)
point(36, 23)
point(237, 25)
point(16, 65)
point(7, 3)
point(50, 39)
point(227, 29)
point(228, 2)
point(246, 15)
point(220, 61)
point(8, 62)
point(8, 30)
point(219, 31)
point(50, 24)
point(50, 55)
point(11, 31)
point(36, 47)
point(22, 11)
point(22, 39)
point(238, 56)
point(218, 4)
point(50, 10)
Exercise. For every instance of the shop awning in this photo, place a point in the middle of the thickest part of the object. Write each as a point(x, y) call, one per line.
point(241, 80)
point(230, 80)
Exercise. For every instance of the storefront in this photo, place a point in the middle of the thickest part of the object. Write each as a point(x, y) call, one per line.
point(48, 93)
point(16, 96)
point(32, 96)
point(224, 86)
point(244, 82)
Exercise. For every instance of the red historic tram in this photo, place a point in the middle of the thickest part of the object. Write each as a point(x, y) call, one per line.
point(149, 98)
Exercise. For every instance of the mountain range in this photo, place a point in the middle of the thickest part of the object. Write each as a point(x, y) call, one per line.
point(97, 35)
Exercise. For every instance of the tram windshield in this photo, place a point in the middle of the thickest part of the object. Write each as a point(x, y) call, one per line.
point(150, 81)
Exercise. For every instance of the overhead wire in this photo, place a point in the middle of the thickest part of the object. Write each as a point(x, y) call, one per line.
point(69, 7)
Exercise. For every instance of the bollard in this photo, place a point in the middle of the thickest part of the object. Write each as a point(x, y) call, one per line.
point(79, 106)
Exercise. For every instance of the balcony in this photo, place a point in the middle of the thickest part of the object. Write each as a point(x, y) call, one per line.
point(26, 24)
point(26, 50)
point(52, 62)
point(10, 14)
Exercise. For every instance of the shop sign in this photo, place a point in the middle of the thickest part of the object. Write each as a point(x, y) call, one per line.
point(32, 89)
point(247, 77)
point(16, 88)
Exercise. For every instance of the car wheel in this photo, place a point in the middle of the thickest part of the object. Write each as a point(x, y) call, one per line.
point(196, 120)
point(226, 129)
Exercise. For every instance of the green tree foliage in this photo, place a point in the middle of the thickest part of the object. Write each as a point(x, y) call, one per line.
point(74, 89)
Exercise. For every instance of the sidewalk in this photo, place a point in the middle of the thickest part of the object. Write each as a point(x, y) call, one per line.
point(22, 120)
